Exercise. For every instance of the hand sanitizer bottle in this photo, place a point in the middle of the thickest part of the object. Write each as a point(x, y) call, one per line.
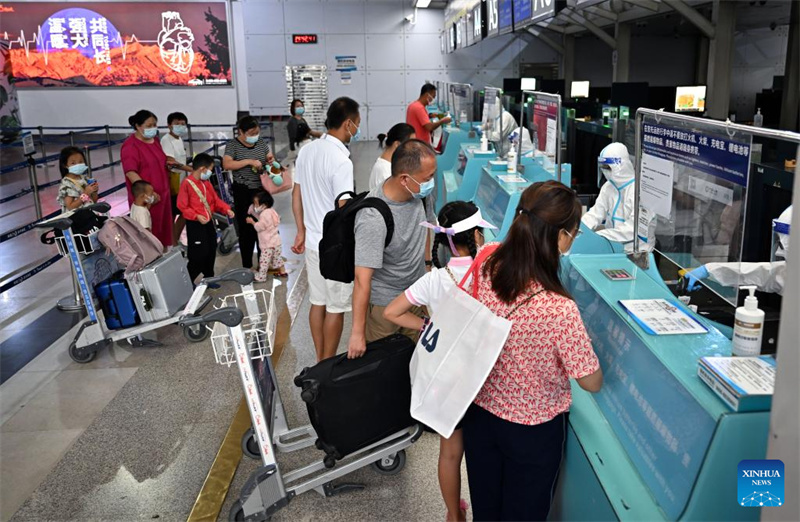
point(748, 326)
point(512, 158)
point(758, 119)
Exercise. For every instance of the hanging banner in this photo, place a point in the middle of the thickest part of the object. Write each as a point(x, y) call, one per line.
point(722, 157)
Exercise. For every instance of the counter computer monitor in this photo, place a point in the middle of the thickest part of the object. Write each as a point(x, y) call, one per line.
point(528, 84)
point(690, 99)
point(579, 90)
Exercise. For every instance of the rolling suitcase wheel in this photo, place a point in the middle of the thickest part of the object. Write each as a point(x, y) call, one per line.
point(329, 461)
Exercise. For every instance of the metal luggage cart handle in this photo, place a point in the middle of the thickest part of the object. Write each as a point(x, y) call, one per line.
point(229, 316)
point(241, 276)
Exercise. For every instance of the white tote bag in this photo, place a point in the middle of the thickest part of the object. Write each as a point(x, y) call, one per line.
point(454, 356)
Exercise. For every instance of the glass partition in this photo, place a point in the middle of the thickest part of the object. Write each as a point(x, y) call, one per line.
point(540, 115)
point(461, 103)
point(491, 122)
point(693, 176)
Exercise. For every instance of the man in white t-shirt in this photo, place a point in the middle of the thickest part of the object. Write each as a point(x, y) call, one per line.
point(172, 145)
point(323, 171)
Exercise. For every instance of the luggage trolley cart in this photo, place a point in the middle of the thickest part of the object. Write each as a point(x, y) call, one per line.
point(248, 341)
point(93, 336)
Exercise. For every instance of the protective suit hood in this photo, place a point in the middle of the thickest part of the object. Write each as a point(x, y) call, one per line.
point(616, 157)
point(781, 228)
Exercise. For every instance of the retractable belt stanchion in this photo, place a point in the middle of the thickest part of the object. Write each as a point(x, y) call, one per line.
point(34, 186)
point(74, 302)
point(87, 153)
point(191, 141)
point(108, 141)
point(41, 142)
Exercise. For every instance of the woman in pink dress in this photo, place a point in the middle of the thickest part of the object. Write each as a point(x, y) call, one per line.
point(142, 158)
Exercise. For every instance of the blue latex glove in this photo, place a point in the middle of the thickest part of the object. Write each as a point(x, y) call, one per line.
point(693, 278)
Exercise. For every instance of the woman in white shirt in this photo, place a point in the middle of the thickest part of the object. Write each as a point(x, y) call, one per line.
point(382, 169)
point(461, 228)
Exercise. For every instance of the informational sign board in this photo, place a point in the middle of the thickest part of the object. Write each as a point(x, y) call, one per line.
point(113, 44)
point(728, 159)
point(522, 12)
point(505, 10)
point(478, 22)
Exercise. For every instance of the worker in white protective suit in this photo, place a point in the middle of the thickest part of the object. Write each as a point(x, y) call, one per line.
point(767, 276)
point(614, 208)
point(505, 131)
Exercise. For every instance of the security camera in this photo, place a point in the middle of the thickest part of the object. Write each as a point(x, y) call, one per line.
point(410, 18)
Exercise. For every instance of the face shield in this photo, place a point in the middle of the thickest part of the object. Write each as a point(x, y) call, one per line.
point(615, 165)
point(780, 236)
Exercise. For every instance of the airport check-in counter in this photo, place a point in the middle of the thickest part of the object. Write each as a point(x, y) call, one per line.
point(655, 443)
point(454, 141)
point(498, 198)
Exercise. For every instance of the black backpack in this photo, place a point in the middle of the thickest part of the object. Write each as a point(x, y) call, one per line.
point(337, 249)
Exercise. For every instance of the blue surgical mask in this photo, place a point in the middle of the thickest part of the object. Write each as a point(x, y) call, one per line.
point(277, 179)
point(205, 175)
point(252, 140)
point(355, 137)
point(424, 188)
point(276, 165)
point(152, 132)
point(180, 130)
point(300, 111)
point(78, 169)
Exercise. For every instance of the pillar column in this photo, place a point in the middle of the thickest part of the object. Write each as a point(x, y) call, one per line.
point(720, 60)
point(622, 54)
point(567, 69)
point(790, 108)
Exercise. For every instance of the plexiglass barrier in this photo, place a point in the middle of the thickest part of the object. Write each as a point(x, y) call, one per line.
point(541, 112)
point(692, 176)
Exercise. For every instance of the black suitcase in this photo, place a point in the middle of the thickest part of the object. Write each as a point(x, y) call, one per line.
point(353, 403)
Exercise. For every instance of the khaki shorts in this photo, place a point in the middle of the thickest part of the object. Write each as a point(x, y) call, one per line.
point(336, 297)
point(378, 327)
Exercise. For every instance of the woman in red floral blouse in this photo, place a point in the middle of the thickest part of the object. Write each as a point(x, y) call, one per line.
point(514, 432)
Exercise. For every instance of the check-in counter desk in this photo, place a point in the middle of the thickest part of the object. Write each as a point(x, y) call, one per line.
point(655, 443)
point(498, 198)
point(455, 140)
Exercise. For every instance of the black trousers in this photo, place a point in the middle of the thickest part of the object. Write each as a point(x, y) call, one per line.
point(512, 468)
point(202, 248)
point(248, 238)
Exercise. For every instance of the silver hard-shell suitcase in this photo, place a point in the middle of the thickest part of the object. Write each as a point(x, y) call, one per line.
point(161, 288)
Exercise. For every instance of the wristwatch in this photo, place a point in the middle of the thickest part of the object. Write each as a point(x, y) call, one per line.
point(428, 262)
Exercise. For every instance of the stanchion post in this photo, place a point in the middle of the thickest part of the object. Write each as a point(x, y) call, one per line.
point(88, 155)
point(216, 150)
point(191, 142)
point(74, 302)
point(41, 142)
point(72, 138)
point(34, 186)
point(108, 142)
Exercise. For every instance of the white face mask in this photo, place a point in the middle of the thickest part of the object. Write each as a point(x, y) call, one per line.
point(259, 208)
point(150, 199)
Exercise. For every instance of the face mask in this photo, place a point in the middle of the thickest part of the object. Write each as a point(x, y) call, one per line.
point(149, 199)
point(424, 188)
point(205, 175)
point(152, 132)
point(300, 111)
point(252, 140)
point(259, 208)
point(180, 130)
point(276, 165)
point(78, 169)
point(355, 137)
point(576, 236)
point(277, 179)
